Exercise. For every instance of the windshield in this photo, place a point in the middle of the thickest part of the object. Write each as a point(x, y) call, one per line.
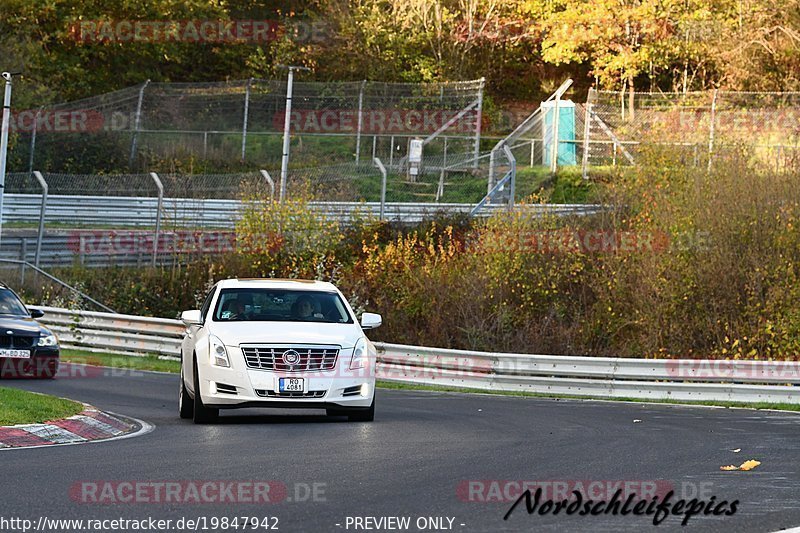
point(10, 304)
point(280, 305)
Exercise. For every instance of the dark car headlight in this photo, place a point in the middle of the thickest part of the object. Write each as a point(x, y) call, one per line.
point(47, 339)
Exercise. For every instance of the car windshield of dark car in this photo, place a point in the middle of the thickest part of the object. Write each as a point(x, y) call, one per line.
point(280, 305)
point(10, 304)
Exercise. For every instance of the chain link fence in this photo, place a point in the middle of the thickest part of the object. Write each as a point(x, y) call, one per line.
point(225, 125)
point(696, 128)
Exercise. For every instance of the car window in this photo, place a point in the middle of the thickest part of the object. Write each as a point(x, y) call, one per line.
point(280, 305)
point(207, 303)
point(10, 304)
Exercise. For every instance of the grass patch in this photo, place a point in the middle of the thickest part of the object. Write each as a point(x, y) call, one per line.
point(437, 388)
point(147, 362)
point(23, 407)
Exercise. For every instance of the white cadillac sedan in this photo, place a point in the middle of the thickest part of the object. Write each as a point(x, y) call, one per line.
point(277, 343)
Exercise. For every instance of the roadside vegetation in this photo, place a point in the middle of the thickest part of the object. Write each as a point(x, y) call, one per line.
point(23, 407)
point(685, 262)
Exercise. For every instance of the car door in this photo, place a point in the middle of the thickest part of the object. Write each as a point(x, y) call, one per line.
point(194, 335)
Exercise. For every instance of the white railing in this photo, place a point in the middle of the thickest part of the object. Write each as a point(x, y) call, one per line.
point(605, 377)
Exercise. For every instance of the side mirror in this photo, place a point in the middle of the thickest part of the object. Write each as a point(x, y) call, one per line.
point(36, 313)
point(371, 320)
point(192, 318)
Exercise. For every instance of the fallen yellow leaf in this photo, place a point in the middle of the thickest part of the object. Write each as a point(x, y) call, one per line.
point(749, 465)
point(729, 467)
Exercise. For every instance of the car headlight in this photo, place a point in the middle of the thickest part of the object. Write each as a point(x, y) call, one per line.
point(360, 355)
point(217, 352)
point(47, 340)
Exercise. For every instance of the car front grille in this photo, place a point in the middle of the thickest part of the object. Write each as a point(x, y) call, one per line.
point(308, 358)
point(273, 394)
point(17, 341)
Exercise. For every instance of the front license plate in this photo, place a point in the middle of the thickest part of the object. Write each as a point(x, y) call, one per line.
point(15, 354)
point(291, 384)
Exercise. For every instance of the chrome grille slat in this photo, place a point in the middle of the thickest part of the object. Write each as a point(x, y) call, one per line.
point(265, 357)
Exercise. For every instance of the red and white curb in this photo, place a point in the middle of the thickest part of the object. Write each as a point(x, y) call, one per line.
point(88, 426)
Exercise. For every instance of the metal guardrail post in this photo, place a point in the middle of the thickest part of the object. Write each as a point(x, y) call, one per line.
point(244, 120)
point(158, 214)
point(382, 168)
point(136, 123)
point(271, 184)
point(360, 120)
point(42, 209)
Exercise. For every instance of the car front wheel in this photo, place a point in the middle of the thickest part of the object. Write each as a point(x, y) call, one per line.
point(202, 414)
point(185, 403)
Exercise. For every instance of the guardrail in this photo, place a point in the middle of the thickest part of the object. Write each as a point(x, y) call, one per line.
point(124, 211)
point(604, 377)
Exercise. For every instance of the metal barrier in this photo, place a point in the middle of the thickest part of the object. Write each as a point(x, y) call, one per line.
point(214, 213)
point(604, 377)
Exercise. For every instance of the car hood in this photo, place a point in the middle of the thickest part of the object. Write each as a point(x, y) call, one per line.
point(19, 326)
point(235, 333)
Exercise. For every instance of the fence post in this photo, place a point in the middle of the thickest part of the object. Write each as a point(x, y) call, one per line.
point(391, 152)
point(246, 112)
point(478, 122)
point(587, 117)
point(158, 214)
point(23, 255)
point(33, 139)
point(554, 149)
point(360, 120)
point(136, 122)
point(271, 184)
point(533, 146)
point(42, 208)
point(512, 161)
point(490, 185)
point(712, 127)
point(382, 168)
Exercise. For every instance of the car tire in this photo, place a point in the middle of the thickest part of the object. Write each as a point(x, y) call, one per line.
point(185, 402)
point(45, 368)
point(202, 414)
point(366, 415)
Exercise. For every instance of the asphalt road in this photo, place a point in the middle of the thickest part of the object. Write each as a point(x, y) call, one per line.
point(416, 460)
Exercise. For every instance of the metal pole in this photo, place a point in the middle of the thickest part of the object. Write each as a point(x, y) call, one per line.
point(4, 141)
point(271, 184)
point(513, 181)
point(587, 117)
point(360, 120)
point(136, 122)
point(205, 145)
point(286, 131)
point(33, 140)
point(382, 168)
point(374, 145)
point(244, 120)
point(490, 185)
point(23, 255)
point(533, 146)
point(554, 156)
point(42, 209)
point(158, 214)
point(712, 127)
point(477, 149)
point(391, 151)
